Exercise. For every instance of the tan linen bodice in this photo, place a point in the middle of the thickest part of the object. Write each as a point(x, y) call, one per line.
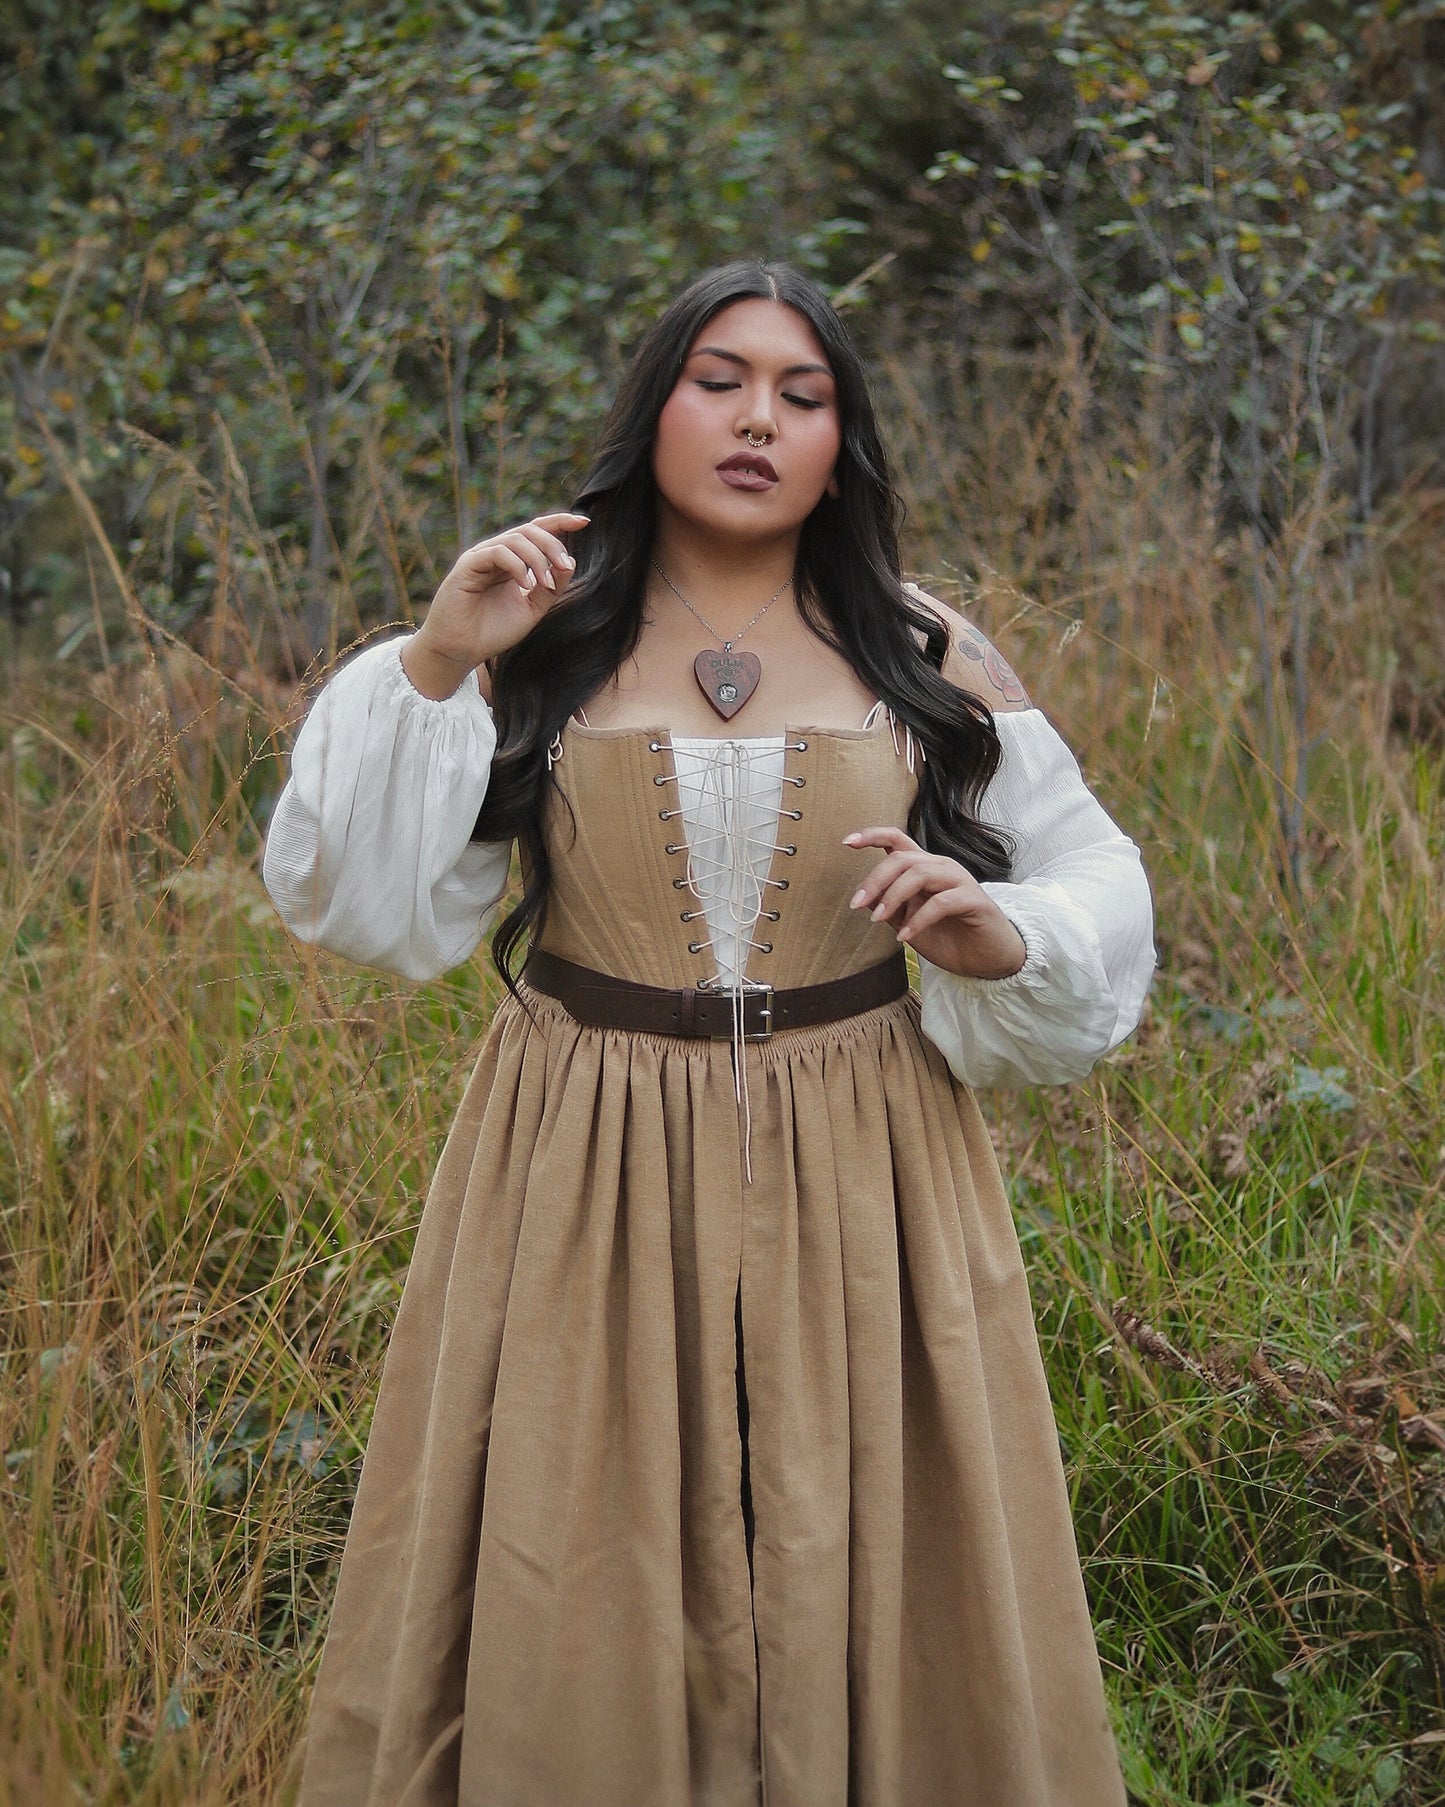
point(619, 901)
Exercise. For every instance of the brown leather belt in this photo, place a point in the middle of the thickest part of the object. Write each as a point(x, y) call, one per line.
point(603, 1002)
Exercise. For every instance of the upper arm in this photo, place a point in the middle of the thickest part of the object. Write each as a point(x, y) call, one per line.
point(973, 662)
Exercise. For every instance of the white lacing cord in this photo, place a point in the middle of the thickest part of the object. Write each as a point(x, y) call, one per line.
point(726, 866)
point(554, 748)
point(912, 748)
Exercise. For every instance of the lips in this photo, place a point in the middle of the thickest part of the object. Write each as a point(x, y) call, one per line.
point(748, 470)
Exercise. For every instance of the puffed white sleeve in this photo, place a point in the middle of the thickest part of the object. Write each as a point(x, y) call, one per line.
point(1079, 899)
point(369, 852)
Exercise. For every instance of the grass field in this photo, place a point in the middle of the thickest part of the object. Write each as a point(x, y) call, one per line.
point(213, 1150)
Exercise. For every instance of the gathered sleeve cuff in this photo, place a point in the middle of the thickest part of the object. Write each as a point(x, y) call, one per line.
point(1081, 904)
point(369, 852)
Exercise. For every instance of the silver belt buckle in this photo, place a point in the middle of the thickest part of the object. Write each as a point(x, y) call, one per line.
point(750, 991)
point(754, 989)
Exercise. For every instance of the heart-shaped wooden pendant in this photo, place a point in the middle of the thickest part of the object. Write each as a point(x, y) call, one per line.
point(727, 679)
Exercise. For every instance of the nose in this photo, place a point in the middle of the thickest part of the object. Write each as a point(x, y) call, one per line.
point(757, 422)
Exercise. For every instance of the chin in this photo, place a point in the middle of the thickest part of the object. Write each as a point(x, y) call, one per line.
point(750, 518)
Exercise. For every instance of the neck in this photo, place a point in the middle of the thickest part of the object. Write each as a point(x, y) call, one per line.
point(724, 578)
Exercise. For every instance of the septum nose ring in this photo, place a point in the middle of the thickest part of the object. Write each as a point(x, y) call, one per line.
point(755, 440)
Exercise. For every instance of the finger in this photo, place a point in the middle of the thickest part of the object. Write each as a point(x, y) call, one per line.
point(939, 908)
point(534, 534)
point(879, 879)
point(918, 881)
point(487, 556)
point(888, 872)
point(565, 521)
point(537, 565)
point(892, 838)
point(549, 543)
point(496, 562)
point(526, 546)
point(551, 548)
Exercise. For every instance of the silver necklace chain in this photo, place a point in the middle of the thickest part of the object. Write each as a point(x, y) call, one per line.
point(727, 645)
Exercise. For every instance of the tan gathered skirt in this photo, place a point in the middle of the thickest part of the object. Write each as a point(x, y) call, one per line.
point(568, 1583)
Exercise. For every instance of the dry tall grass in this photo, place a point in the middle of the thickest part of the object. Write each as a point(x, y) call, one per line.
point(214, 1149)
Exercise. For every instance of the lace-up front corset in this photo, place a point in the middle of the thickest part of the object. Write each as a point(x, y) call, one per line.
point(633, 890)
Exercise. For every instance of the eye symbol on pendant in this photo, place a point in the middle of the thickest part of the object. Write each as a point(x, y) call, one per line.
point(727, 693)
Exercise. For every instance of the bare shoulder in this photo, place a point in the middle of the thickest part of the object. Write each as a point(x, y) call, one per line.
point(974, 663)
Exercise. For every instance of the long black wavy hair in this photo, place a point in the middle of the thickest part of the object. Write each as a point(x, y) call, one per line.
point(848, 582)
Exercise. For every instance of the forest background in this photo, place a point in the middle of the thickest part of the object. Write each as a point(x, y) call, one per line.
point(295, 299)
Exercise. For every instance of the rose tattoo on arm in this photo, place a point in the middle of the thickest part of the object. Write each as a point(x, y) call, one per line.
point(972, 644)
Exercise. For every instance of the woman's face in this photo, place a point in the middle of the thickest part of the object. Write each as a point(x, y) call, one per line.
point(756, 367)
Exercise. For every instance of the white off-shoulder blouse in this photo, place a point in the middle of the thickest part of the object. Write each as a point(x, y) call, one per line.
point(370, 856)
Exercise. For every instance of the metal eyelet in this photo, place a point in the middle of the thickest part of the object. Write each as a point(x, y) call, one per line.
point(796, 814)
point(661, 778)
point(664, 815)
point(765, 947)
point(791, 849)
point(679, 884)
point(672, 847)
point(781, 883)
point(654, 746)
point(692, 915)
point(772, 915)
point(802, 746)
point(694, 947)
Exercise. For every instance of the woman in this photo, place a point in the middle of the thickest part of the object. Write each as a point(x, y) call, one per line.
point(713, 1461)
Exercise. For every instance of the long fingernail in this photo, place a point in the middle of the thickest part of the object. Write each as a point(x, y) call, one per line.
point(858, 897)
point(547, 579)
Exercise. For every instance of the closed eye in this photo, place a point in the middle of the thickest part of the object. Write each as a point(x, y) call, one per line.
point(716, 387)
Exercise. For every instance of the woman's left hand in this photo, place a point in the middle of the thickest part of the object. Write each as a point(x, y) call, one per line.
point(937, 907)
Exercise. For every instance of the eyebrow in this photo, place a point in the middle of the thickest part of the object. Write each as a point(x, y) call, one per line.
point(731, 357)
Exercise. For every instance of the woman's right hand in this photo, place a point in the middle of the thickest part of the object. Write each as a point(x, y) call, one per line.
point(493, 596)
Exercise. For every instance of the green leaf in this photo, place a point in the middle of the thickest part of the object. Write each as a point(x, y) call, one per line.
point(1325, 1089)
